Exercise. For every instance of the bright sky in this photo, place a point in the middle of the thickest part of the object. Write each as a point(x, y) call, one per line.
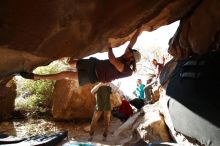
point(146, 44)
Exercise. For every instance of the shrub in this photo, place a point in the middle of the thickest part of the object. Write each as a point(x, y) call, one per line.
point(37, 93)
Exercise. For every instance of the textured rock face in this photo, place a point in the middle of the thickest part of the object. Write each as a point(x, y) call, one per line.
point(7, 98)
point(55, 28)
point(33, 33)
point(147, 125)
point(71, 101)
point(198, 31)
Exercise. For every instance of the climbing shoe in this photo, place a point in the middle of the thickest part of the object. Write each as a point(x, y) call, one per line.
point(27, 75)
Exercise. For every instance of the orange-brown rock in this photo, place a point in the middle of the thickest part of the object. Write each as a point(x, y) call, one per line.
point(56, 28)
point(147, 125)
point(7, 98)
point(71, 101)
point(36, 32)
point(198, 31)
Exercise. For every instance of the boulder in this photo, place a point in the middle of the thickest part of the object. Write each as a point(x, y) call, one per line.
point(34, 33)
point(203, 19)
point(147, 125)
point(71, 101)
point(7, 98)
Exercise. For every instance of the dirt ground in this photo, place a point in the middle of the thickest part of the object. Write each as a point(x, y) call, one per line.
point(77, 131)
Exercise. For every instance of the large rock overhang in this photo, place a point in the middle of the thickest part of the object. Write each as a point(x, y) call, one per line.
point(34, 33)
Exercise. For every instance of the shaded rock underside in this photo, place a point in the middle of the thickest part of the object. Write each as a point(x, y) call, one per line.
point(34, 33)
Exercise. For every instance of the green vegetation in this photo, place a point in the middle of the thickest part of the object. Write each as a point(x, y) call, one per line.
point(32, 95)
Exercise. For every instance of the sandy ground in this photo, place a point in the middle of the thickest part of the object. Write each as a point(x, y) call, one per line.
point(77, 132)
